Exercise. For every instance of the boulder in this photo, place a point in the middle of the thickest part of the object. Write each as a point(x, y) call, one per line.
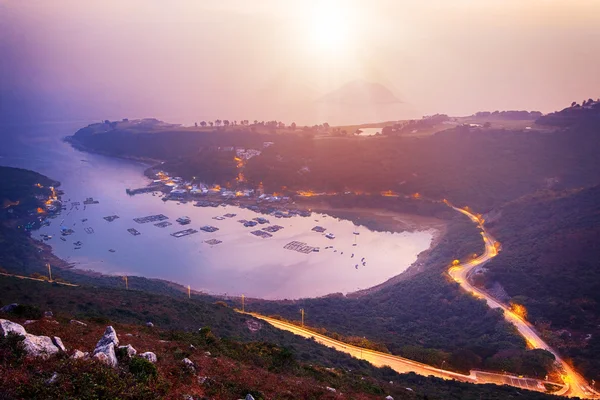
point(110, 336)
point(330, 389)
point(9, 308)
point(149, 324)
point(202, 379)
point(75, 322)
point(189, 364)
point(249, 397)
point(58, 343)
point(7, 327)
point(77, 354)
point(129, 350)
point(150, 356)
point(389, 398)
point(106, 354)
point(29, 321)
point(39, 346)
point(48, 314)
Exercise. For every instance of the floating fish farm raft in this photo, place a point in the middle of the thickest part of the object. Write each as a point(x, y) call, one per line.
point(209, 228)
point(151, 218)
point(261, 220)
point(272, 228)
point(89, 230)
point(250, 223)
point(133, 231)
point(163, 224)
point(213, 241)
point(261, 234)
point(184, 233)
point(319, 229)
point(229, 215)
point(111, 218)
point(90, 200)
point(300, 247)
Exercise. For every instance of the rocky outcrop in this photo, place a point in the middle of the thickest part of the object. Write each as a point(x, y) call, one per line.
point(105, 348)
point(75, 322)
point(58, 343)
point(110, 336)
point(77, 354)
point(39, 346)
point(7, 327)
point(128, 350)
point(35, 346)
point(189, 365)
point(150, 356)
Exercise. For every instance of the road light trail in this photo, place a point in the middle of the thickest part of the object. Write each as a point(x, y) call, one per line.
point(575, 384)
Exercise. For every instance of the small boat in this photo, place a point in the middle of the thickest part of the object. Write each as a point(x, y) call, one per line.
point(77, 248)
point(330, 236)
point(112, 250)
point(63, 239)
point(315, 249)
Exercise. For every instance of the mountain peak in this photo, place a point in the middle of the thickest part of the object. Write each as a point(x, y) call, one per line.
point(360, 92)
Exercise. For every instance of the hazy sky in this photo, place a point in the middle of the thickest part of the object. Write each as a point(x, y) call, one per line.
point(185, 61)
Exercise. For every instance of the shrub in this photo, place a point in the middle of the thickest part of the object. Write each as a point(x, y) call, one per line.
point(142, 369)
point(27, 311)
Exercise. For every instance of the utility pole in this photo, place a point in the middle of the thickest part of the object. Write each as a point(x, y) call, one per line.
point(49, 272)
point(242, 303)
point(189, 292)
point(302, 312)
point(126, 282)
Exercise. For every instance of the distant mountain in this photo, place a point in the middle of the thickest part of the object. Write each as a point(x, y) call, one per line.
point(360, 92)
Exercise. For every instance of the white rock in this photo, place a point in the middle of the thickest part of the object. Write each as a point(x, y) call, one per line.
point(330, 389)
point(39, 346)
point(130, 350)
point(110, 336)
point(189, 364)
point(29, 321)
point(150, 356)
point(207, 353)
point(249, 397)
point(7, 327)
point(48, 314)
point(149, 324)
point(106, 354)
point(75, 322)
point(389, 398)
point(79, 354)
point(202, 379)
point(59, 343)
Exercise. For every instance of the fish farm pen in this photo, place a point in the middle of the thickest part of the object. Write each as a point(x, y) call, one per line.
point(151, 218)
point(184, 233)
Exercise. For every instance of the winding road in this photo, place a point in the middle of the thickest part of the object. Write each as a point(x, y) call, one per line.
point(574, 384)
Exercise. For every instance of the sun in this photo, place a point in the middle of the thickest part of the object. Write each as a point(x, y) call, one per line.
point(330, 27)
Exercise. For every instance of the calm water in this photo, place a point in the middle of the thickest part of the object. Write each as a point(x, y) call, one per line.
point(242, 264)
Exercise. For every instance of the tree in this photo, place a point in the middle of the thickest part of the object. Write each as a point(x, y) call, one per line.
point(293, 126)
point(218, 122)
point(255, 122)
point(211, 123)
point(326, 126)
point(196, 124)
point(226, 122)
point(203, 123)
point(573, 104)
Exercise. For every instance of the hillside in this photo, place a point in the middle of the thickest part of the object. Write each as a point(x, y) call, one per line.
point(549, 263)
point(243, 358)
point(360, 92)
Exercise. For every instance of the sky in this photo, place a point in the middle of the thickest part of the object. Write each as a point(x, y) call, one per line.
point(187, 61)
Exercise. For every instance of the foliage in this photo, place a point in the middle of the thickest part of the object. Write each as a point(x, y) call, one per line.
point(142, 369)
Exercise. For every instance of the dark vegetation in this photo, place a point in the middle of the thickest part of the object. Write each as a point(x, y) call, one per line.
point(549, 264)
point(235, 366)
point(586, 114)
